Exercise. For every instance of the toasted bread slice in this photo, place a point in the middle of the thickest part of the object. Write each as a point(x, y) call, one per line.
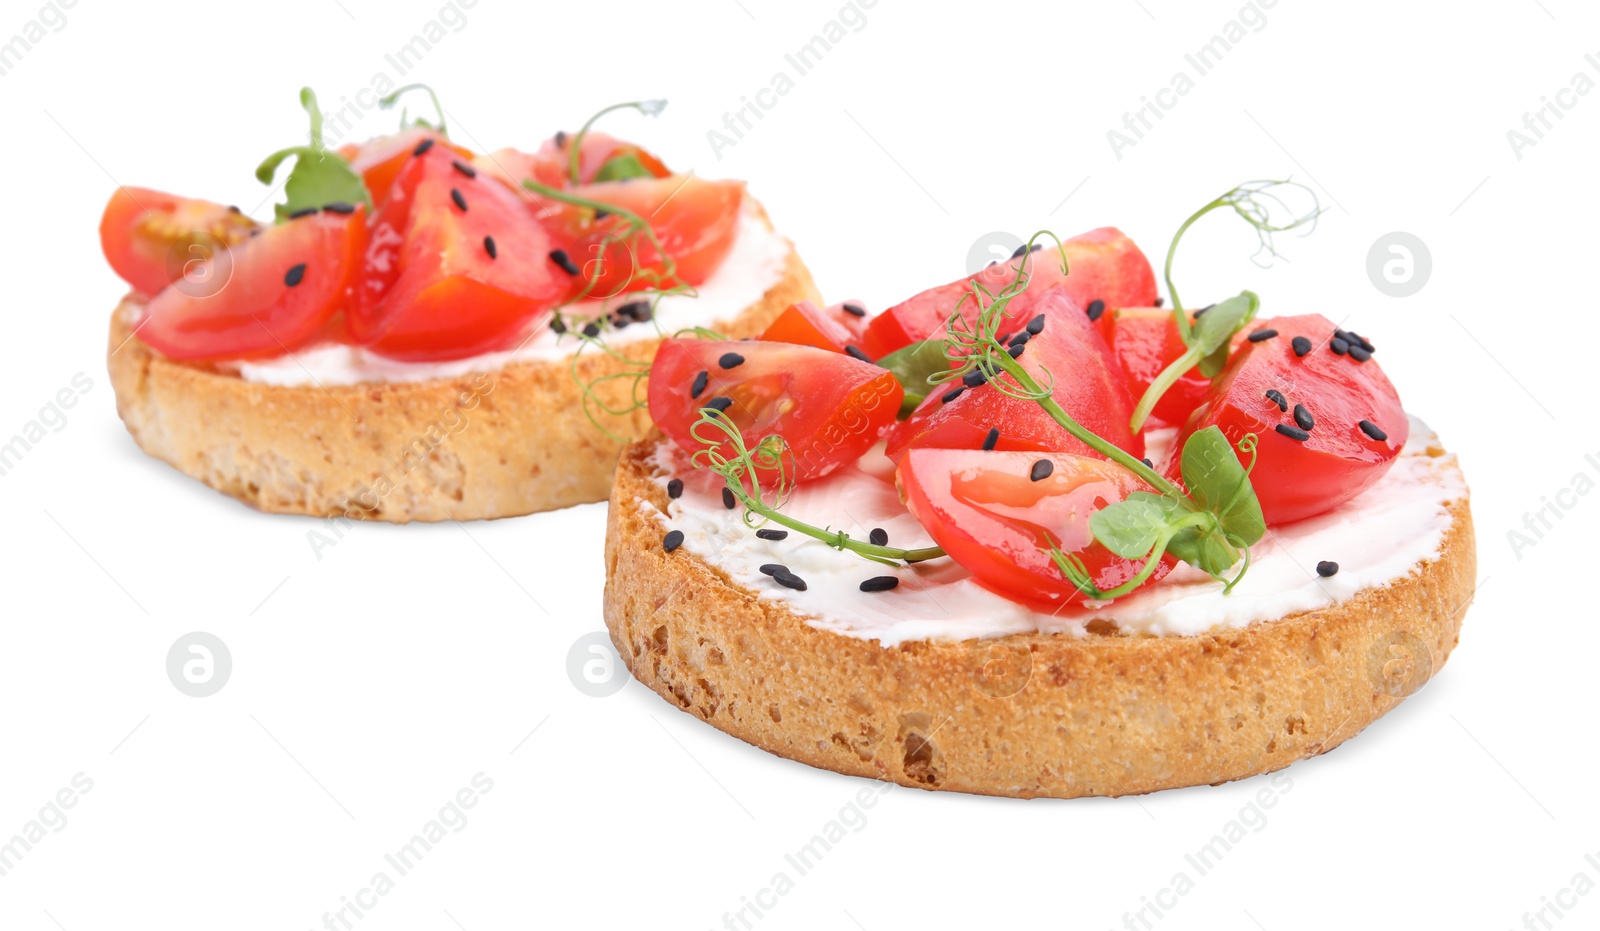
point(514, 440)
point(1023, 715)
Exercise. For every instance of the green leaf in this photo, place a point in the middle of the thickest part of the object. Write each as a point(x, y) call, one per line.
point(320, 175)
point(1215, 328)
point(1132, 527)
point(912, 366)
point(622, 167)
point(1205, 549)
point(1218, 483)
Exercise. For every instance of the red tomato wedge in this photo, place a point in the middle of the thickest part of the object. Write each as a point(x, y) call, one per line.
point(1145, 341)
point(1338, 458)
point(1103, 265)
point(151, 238)
point(829, 407)
point(283, 287)
point(1088, 385)
point(806, 324)
point(549, 165)
point(994, 520)
point(379, 160)
point(456, 266)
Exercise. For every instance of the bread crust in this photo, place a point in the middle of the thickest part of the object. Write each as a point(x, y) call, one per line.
point(1023, 715)
point(482, 445)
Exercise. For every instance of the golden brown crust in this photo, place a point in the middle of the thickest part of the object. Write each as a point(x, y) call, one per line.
point(1023, 715)
point(484, 445)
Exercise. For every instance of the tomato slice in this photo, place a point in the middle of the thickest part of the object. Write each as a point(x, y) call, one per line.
point(829, 407)
point(277, 291)
point(987, 512)
point(1338, 459)
point(444, 282)
point(379, 160)
point(1087, 384)
point(549, 165)
point(151, 238)
point(1145, 341)
point(1104, 265)
point(806, 324)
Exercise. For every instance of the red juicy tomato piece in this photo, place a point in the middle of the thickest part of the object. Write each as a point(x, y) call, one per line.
point(379, 160)
point(432, 286)
point(1103, 265)
point(549, 165)
point(1338, 460)
point(283, 287)
point(1145, 341)
point(806, 324)
point(852, 315)
point(151, 238)
point(985, 510)
point(1087, 385)
point(829, 407)
point(695, 220)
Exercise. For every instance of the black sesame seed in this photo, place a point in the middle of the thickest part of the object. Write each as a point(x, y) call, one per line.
point(1160, 301)
point(1020, 251)
point(1373, 430)
point(636, 310)
point(974, 378)
point(340, 207)
point(1293, 433)
point(879, 536)
point(1327, 568)
point(699, 383)
point(991, 439)
point(1261, 336)
point(1016, 350)
point(560, 257)
point(1356, 339)
point(1339, 346)
point(591, 329)
point(1276, 397)
point(422, 147)
point(730, 360)
point(720, 403)
point(489, 247)
point(1148, 464)
point(773, 568)
point(561, 139)
point(951, 395)
point(461, 202)
point(1096, 308)
point(728, 500)
point(558, 325)
point(1036, 325)
point(768, 534)
point(880, 583)
point(295, 275)
point(1303, 417)
point(601, 215)
point(854, 310)
point(789, 580)
point(234, 209)
point(675, 488)
point(1041, 470)
point(1360, 353)
point(464, 168)
point(304, 212)
point(855, 352)
point(1201, 311)
point(1021, 339)
point(1003, 338)
point(672, 540)
point(1301, 345)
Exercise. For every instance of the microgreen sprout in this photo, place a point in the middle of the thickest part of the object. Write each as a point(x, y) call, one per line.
point(405, 118)
point(320, 175)
point(742, 467)
point(647, 107)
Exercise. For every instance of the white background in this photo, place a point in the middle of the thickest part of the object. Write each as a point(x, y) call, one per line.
point(370, 685)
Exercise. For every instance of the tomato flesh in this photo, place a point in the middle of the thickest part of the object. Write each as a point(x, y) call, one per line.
point(1103, 265)
point(284, 286)
point(986, 511)
point(1145, 341)
point(380, 160)
point(829, 407)
point(1337, 461)
point(1087, 385)
point(806, 324)
point(151, 239)
point(431, 288)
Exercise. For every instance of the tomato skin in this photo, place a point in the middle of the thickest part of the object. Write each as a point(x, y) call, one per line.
point(380, 160)
point(548, 165)
point(1103, 264)
point(430, 288)
point(256, 313)
point(149, 237)
point(1087, 384)
point(829, 407)
point(1296, 479)
point(1145, 341)
point(985, 510)
point(806, 324)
